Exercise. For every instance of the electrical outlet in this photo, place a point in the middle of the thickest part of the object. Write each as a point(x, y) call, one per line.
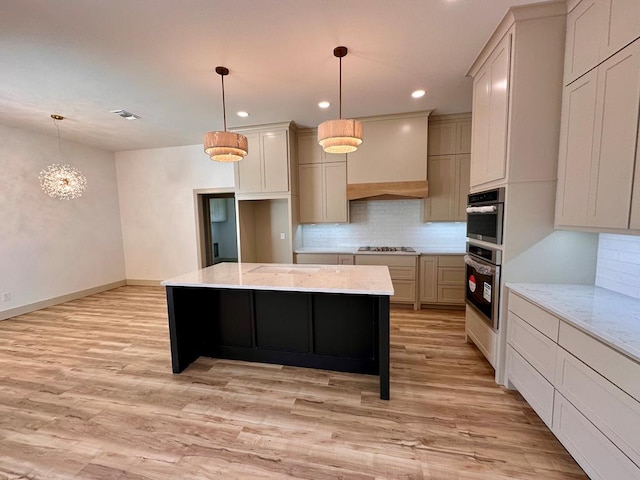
point(281, 235)
point(6, 297)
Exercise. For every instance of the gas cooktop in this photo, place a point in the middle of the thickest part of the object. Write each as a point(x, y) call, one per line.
point(387, 249)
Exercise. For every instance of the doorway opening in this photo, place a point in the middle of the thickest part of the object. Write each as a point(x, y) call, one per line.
point(218, 228)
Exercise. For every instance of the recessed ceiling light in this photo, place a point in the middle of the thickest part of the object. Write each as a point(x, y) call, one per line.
point(243, 114)
point(324, 104)
point(125, 114)
point(418, 94)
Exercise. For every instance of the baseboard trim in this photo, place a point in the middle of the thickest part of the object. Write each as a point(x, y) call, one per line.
point(143, 283)
point(50, 302)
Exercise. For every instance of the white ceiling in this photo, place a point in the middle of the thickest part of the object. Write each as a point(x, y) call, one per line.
point(156, 58)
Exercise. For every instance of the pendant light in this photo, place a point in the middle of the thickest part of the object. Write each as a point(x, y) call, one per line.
point(343, 135)
point(60, 180)
point(225, 146)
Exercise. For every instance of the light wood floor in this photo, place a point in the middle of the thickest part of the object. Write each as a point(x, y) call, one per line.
point(86, 392)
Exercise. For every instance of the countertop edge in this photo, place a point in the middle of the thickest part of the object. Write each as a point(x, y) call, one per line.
point(576, 322)
point(373, 293)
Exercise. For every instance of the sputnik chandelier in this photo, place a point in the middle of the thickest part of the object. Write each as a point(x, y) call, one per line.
point(59, 180)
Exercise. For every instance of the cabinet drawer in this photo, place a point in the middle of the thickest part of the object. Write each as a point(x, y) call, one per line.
point(537, 349)
point(612, 411)
point(317, 258)
point(451, 276)
point(535, 389)
point(345, 259)
point(451, 261)
point(615, 367)
point(402, 273)
point(389, 260)
point(450, 294)
point(404, 291)
point(599, 458)
point(534, 316)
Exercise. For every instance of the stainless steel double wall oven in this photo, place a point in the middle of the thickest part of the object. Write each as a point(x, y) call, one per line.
point(485, 211)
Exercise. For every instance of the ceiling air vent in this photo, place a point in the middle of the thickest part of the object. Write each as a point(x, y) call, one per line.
point(125, 114)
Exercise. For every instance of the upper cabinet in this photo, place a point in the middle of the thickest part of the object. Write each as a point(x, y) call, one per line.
point(323, 182)
point(490, 116)
point(597, 29)
point(448, 166)
point(599, 132)
point(517, 91)
point(598, 146)
point(267, 166)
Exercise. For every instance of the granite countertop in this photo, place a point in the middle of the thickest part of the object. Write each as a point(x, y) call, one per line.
point(354, 251)
point(352, 279)
point(609, 316)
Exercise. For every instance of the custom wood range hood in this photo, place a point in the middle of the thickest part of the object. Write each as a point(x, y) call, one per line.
point(388, 190)
point(391, 163)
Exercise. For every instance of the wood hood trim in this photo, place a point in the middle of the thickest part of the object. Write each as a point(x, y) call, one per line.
point(387, 190)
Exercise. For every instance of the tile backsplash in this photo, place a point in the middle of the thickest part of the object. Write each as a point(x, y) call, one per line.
point(618, 266)
point(385, 223)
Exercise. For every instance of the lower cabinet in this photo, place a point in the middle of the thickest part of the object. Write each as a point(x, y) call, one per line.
point(324, 258)
point(442, 279)
point(585, 391)
point(403, 271)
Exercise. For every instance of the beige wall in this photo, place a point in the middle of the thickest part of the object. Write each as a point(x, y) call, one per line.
point(156, 191)
point(48, 247)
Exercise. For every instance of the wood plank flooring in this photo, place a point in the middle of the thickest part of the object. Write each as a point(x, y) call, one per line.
point(86, 392)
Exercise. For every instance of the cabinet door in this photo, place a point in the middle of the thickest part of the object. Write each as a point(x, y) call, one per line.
point(616, 132)
point(442, 139)
point(249, 169)
point(439, 205)
point(623, 18)
point(429, 279)
point(480, 125)
point(463, 137)
point(463, 164)
point(311, 193)
point(275, 159)
point(576, 144)
point(334, 192)
point(585, 25)
point(308, 150)
point(490, 116)
point(499, 111)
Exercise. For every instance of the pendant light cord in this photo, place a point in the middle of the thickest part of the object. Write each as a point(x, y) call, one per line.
point(340, 83)
point(224, 108)
point(55, 122)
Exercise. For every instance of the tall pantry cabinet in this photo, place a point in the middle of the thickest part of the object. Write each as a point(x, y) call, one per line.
point(600, 112)
point(267, 194)
point(517, 98)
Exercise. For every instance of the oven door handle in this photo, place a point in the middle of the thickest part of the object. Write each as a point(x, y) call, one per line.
point(481, 268)
point(483, 209)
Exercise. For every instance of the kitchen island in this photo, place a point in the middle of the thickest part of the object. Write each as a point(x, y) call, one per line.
point(333, 317)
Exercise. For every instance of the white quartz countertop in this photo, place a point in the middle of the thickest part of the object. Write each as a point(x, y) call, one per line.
point(608, 316)
point(353, 279)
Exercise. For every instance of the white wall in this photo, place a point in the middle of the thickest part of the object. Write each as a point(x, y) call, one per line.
point(49, 247)
point(156, 190)
point(619, 264)
point(385, 223)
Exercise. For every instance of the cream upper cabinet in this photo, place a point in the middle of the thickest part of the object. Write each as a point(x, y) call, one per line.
point(323, 193)
point(582, 49)
point(596, 29)
point(490, 116)
point(448, 168)
point(322, 181)
point(576, 143)
point(598, 144)
point(266, 168)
